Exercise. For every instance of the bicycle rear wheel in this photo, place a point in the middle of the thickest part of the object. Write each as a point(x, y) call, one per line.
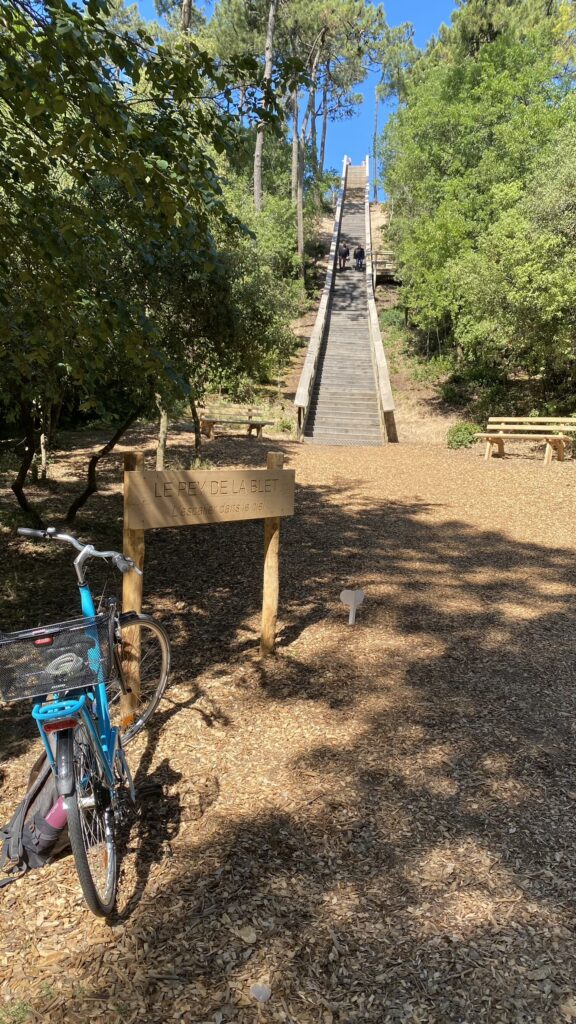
point(90, 820)
point(142, 656)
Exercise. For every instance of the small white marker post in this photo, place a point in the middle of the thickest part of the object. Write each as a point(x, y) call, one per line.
point(352, 598)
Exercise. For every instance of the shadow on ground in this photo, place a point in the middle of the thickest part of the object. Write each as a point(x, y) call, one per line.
point(430, 874)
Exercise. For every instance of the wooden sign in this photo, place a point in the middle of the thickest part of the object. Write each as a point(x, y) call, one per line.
point(190, 498)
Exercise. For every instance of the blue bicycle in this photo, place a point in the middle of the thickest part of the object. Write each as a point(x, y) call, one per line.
point(99, 679)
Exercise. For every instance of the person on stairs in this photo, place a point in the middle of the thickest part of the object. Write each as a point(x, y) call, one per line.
point(359, 255)
point(343, 254)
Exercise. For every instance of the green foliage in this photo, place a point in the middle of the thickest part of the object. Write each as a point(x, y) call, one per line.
point(461, 435)
point(397, 55)
point(433, 369)
point(240, 387)
point(480, 165)
point(407, 347)
point(393, 317)
point(518, 289)
point(132, 264)
point(108, 197)
point(200, 463)
point(18, 1013)
point(286, 425)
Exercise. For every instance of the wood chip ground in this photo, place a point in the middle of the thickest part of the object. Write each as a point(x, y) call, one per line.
point(377, 825)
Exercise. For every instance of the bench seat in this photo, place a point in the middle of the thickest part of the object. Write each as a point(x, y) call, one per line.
point(530, 429)
point(207, 424)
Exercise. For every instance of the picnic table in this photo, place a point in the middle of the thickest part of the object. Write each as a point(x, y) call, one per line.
point(555, 431)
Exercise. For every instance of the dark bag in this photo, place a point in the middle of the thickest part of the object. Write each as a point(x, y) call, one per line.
point(28, 840)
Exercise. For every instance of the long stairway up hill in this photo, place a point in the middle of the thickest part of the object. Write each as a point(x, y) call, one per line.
point(344, 406)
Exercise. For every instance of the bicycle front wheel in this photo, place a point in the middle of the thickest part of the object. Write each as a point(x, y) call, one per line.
point(142, 657)
point(90, 820)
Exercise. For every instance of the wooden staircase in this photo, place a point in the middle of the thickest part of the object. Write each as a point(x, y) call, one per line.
point(344, 406)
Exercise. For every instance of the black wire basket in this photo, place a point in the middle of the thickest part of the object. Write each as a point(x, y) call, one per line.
point(52, 659)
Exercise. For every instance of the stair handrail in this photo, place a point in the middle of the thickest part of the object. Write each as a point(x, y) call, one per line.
point(308, 374)
point(384, 387)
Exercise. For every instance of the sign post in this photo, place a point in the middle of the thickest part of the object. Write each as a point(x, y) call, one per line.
point(271, 584)
point(132, 586)
point(153, 500)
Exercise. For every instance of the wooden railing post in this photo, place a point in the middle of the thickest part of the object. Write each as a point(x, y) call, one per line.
point(271, 583)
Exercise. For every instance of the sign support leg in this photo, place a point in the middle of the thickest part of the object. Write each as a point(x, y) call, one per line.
point(271, 584)
point(132, 588)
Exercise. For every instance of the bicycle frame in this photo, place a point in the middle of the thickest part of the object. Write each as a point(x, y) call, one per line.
point(55, 715)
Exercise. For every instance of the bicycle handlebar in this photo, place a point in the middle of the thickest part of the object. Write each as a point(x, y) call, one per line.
point(122, 562)
point(51, 533)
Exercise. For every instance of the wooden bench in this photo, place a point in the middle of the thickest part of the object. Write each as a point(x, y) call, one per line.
point(207, 424)
point(551, 429)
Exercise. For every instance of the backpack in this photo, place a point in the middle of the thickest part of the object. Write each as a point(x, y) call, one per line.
point(28, 840)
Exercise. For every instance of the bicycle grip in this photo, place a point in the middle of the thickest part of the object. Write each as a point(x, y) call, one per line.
point(125, 564)
point(25, 531)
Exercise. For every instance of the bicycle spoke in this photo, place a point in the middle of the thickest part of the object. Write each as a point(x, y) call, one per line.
point(91, 826)
point(144, 657)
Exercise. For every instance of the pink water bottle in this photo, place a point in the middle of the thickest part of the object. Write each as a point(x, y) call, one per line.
point(57, 816)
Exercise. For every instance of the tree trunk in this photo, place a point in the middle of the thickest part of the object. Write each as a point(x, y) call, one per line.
point(294, 184)
point(268, 54)
point(55, 413)
point(300, 176)
point(313, 133)
point(44, 442)
point(162, 434)
point(92, 484)
point(300, 207)
point(314, 143)
point(27, 458)
point(375, 172)
point(310, 115)
point(185, 15)
point(305, 122)
point(324, 126)
point(197, 432)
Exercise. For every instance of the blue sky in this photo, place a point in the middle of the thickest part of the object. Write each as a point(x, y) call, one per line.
point(354, 137)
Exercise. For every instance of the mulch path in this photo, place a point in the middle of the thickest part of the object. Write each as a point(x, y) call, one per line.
point(378, 824)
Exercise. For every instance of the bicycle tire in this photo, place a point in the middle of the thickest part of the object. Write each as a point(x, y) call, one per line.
point(144, 641)
point(90, 821)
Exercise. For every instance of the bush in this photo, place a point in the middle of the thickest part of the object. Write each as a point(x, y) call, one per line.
point(432, 370)
point(461, 435)
point(393, 317)
point(240, 387)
